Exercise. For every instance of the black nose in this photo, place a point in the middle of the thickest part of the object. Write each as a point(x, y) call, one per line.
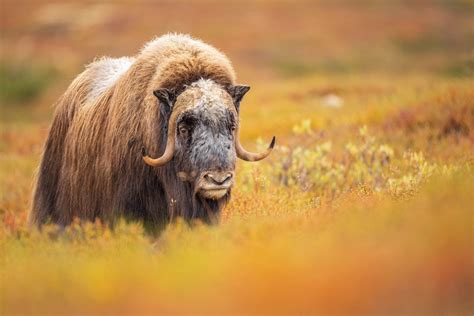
point(218, 178)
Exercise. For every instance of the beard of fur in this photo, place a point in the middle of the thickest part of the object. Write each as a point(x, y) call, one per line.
point(185, 202)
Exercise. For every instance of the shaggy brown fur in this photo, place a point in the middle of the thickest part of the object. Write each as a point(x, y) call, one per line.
point(92, 165)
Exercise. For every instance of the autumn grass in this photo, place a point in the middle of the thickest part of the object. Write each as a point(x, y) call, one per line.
point(346, 217)
point(367, 255)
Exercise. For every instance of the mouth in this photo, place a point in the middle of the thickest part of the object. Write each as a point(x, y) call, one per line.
point(214, 192)
point(214, 185)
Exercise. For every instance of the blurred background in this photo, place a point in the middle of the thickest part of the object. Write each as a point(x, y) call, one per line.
point(46, 43)
point(364, 206)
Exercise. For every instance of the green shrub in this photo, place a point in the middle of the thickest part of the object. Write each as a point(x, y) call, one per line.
point(365, 165)
point(23, 83)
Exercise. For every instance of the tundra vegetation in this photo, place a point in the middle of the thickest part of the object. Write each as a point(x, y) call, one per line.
point(364, 206)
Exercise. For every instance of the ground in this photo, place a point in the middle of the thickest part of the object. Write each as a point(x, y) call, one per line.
point(363, 208)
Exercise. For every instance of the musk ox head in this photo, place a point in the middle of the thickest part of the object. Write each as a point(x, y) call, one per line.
point(202, 137)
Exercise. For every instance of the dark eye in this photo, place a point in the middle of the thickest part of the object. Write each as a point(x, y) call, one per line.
point(183, 131)
point(233, 127)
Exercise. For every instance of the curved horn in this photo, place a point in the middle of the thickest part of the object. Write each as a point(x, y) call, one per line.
point(249, 156)
point(169, 151)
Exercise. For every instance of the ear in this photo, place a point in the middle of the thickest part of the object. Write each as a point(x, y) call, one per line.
point(167, 98)
point(237, 93)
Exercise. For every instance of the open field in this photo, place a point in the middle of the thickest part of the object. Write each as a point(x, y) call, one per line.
point(363, 208)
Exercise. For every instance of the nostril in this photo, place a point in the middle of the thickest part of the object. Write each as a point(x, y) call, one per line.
point(217, 179)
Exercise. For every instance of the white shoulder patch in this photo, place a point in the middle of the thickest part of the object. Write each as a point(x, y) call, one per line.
point(106, 72)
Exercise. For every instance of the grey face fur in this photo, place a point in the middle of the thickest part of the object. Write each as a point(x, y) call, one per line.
point(205, 152)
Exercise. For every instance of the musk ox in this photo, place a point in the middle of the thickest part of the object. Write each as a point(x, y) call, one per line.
point(176, 100)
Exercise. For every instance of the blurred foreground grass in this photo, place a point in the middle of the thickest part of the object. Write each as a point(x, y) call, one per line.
point(366, 255)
